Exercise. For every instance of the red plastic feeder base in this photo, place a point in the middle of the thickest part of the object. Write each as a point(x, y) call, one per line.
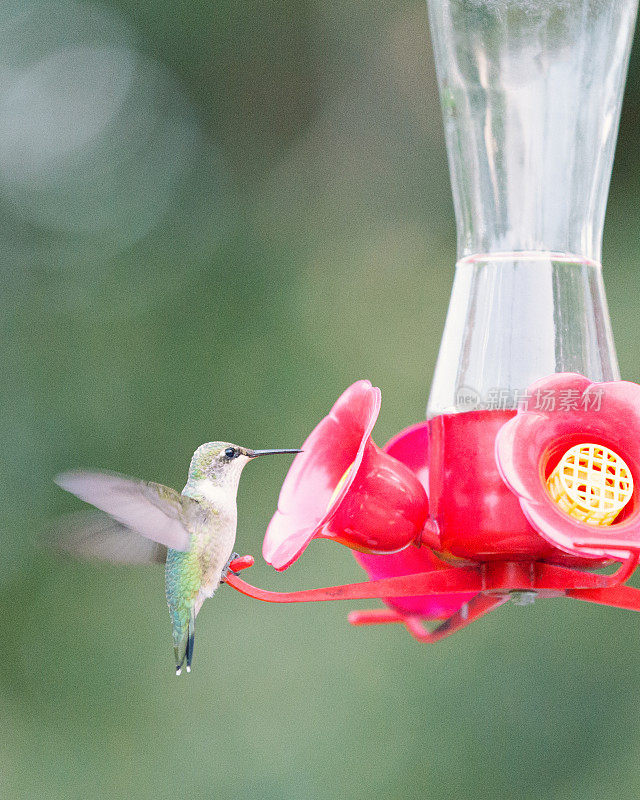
point(474, 487)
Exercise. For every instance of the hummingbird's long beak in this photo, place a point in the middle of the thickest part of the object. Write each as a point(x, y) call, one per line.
point(255, 453)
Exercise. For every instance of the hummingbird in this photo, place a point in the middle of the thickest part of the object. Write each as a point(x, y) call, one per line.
point(193, 532)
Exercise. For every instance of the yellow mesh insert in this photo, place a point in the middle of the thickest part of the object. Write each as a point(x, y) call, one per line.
point(591, 483)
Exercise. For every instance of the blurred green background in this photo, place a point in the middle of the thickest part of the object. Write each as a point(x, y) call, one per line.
point(213, 218)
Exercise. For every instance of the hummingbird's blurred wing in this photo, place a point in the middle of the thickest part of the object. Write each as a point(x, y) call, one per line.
point(94, 536)
point(151, 509)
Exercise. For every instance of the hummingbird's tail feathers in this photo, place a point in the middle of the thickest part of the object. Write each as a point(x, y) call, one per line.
point(183, 642)
point(180, 651)
point(191, 639)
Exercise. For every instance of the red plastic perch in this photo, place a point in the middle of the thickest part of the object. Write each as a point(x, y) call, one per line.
point(493, 581)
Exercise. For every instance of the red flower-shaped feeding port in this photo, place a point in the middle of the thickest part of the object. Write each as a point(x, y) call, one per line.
point(343, 487)
point(521, 502)
point(565, 413)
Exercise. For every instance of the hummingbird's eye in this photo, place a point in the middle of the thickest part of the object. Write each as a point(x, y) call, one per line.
point(231, 452)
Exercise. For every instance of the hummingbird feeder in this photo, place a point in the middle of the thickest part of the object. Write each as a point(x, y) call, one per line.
point(524, 480)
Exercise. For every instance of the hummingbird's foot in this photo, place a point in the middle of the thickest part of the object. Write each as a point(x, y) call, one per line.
point(226, 568)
